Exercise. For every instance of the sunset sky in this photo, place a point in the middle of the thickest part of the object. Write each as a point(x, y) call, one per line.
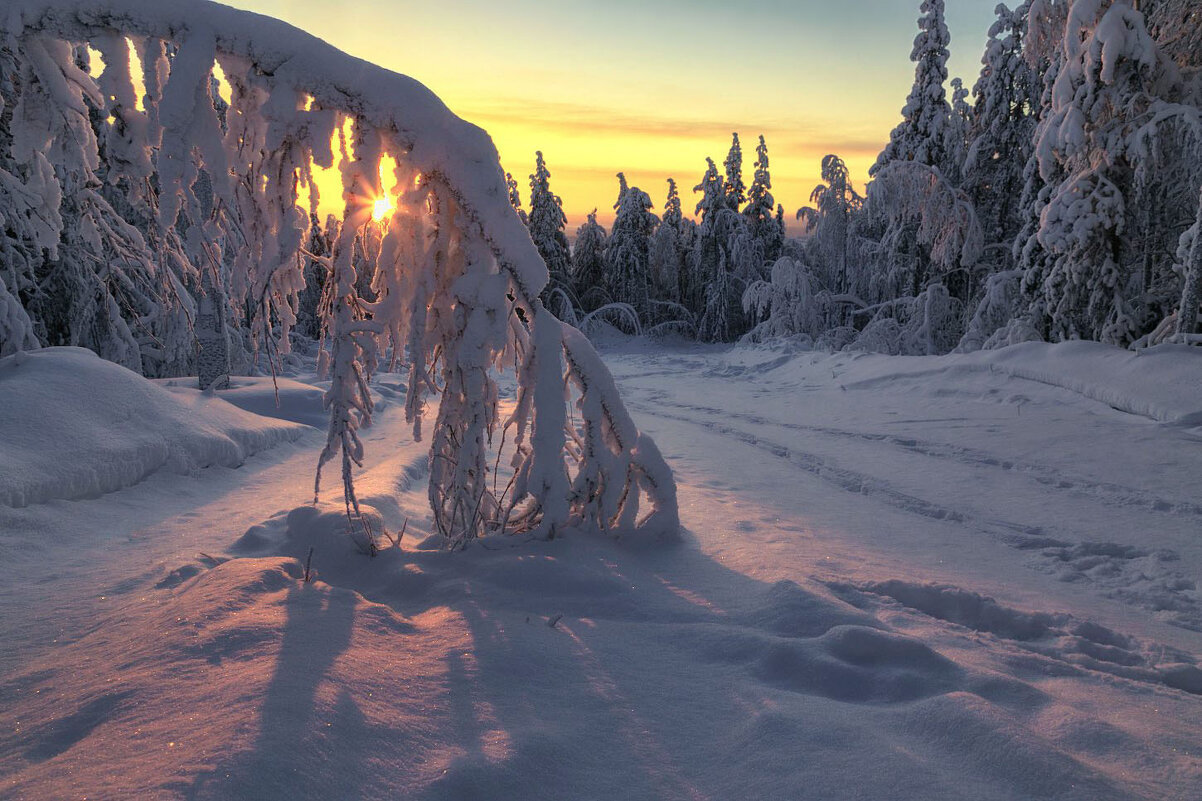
point(652, 88)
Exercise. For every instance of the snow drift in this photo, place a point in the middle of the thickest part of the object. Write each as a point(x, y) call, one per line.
point(76, 426)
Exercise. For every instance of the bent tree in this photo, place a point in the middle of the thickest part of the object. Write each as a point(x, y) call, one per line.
point(148, 188)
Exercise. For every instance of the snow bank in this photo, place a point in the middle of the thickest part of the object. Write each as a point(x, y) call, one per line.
point(76, 426)
point(1162, 383)
point(283, 398)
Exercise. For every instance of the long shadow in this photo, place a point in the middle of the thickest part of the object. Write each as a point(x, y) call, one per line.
point(574, 672)
point(291, 758)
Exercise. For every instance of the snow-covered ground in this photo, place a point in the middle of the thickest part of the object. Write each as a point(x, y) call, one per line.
point(900, 578)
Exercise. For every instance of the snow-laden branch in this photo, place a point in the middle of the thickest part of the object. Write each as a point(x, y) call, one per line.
point(206, 184)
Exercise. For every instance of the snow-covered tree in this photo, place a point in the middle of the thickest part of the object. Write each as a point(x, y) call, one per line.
point(627, 254)
point(1001, 135)
point(759, 212)
point(667, 256)
point(546, 223)
point(959, 129)
point(588, 264)
point(713, 293)
point(736, 190)
point(309, 315)
point(922, 135)
point(455, 277)
point(515, 197)
point(787, 303)
point(1176, 25)
point(829, 221)
point(1103, 152)
point(931, 229)
point(1189, 255)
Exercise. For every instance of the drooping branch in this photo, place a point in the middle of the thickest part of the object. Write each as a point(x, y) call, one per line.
point(211, 182)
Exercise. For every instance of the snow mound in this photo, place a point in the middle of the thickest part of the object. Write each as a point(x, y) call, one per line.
point(1162, 383)
point(283, 398)
point(76, 426)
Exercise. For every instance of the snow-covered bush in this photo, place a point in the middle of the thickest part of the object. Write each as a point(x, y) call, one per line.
point(926, 325)
point(999, 302)
point(787, 304)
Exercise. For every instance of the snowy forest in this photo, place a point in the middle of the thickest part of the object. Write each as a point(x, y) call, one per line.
point(1057, 200)
point(893, 496)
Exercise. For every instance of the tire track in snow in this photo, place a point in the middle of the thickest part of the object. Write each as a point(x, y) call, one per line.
point(1135, 576)
point(1047, 477)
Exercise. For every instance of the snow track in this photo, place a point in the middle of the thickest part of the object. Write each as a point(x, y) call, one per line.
point(873, 462)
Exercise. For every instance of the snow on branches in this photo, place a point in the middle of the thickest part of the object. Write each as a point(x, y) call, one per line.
point(152, 196)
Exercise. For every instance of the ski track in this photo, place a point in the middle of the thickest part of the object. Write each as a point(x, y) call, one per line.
point(1144, 578)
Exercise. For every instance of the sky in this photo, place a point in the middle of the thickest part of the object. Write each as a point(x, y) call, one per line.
point(652, 87)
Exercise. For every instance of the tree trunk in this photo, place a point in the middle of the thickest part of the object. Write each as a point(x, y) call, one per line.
point(1187, 315)
point(213, 356)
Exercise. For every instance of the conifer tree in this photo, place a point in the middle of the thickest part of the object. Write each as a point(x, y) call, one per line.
point(515, 198)
point(709, 242)
point(1102, 150)
point(922, 134)
point(1003, 125)
point(763, 227)
point(958, 132)
point(588, 264)
point(736, 190)
point(546, 224)
point(667, 256)
point(627, 254)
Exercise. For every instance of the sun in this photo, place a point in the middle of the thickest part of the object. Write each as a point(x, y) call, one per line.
point(382, 208)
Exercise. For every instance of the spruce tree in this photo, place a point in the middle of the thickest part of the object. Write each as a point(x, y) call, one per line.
point(627, 255)
point(709, 241)
point(763, 227)
point(1002, 129)
point(515, 198)
point(736, 190)
point(588, 264)
point(667, 258)
point(922, 134)
point(546, 223)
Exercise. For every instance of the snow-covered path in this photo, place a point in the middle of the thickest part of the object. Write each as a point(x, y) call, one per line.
point(937, 470)
point(915, 578)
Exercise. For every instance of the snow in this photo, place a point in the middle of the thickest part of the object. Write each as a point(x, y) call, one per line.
point(968, 576)
point(75, 426)
point(281, 397)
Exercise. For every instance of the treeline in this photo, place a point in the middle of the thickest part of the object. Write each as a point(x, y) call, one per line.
point(662, 273)
point(1059, 199)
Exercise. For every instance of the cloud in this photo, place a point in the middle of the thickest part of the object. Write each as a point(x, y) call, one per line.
point(782, 135)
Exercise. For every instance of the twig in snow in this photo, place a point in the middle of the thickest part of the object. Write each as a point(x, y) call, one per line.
point(309, 575)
